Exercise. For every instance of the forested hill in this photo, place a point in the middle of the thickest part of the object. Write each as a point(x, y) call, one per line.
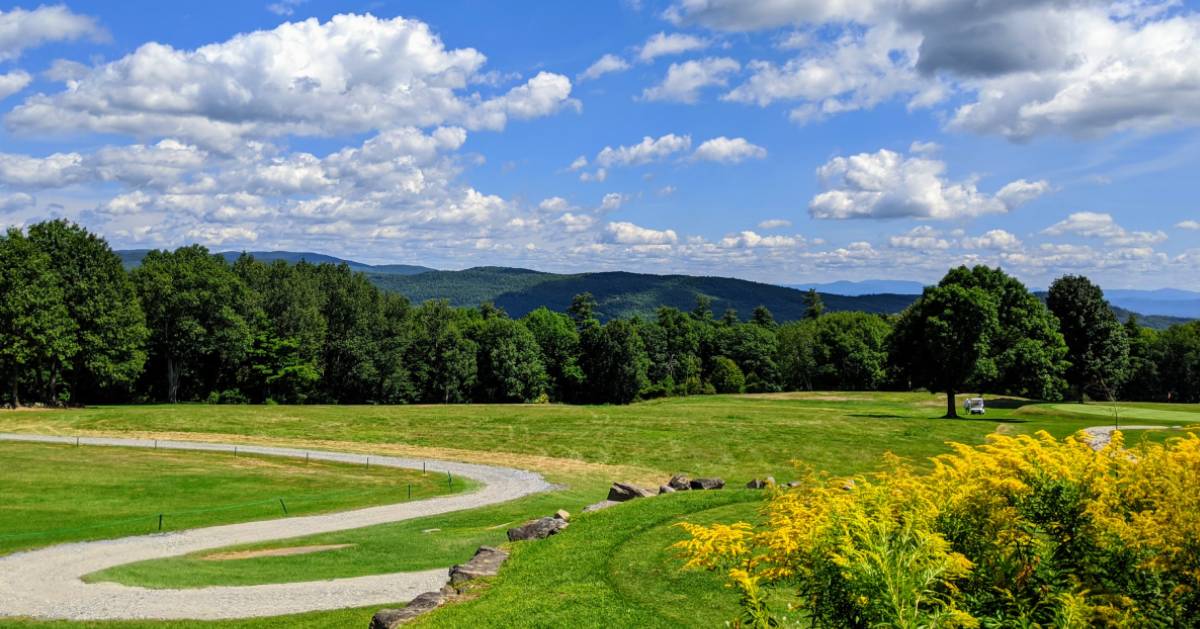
point(133, 257)
point(617, 293)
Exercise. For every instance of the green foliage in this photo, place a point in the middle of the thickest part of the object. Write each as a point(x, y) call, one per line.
point(109, 327)
point(1097, 347)
point(36, 330)
point(559, 345)
point(508, 361)
point(943, 341)
point(441, 357)
point(726, 377)
point(614, 361)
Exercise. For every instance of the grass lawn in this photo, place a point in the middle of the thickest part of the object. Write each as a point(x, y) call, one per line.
point(54, 493)
point(612, 568)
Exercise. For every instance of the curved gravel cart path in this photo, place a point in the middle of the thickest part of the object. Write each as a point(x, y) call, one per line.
point(47, 583)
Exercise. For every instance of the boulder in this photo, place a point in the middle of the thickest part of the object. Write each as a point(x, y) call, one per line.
point(485, 563)
point(761, 483)
point(427, 602)
point(848, 484)
point(596, 506)
point(794, 483)
point(620, 492)
point(540, 528)
point(679, 482)
point(563, 515)
point(665, 489)
point(707, 483)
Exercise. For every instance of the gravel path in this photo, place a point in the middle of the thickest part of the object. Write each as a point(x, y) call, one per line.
point(1099, 436)
point(46, 583)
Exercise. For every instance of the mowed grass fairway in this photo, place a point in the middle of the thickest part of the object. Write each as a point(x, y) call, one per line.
point(612, 568)
point(55, 493)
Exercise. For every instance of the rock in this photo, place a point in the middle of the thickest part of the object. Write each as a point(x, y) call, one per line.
point(665, 489)
point(563, 515)
point(427, 602)
point(540, 528)
point(679, 482)
point(485, 563)
point(848, 485)
point(707, 483)
point(760, 483)
point(620, 492)
point(794, 483)
point(596, 506)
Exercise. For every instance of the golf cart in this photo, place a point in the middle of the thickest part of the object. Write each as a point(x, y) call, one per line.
point(974, 406)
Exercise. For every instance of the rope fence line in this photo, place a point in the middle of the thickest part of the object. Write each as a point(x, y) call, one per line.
point(159, 521)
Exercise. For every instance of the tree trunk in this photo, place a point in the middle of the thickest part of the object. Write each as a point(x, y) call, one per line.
point(54, 384)
point(16, 398)
point(951, 406)
point(172, 381)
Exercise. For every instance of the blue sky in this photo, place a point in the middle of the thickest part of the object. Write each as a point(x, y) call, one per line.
point(784, 141)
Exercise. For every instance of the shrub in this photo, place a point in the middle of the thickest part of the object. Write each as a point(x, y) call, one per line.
point(1023, 531)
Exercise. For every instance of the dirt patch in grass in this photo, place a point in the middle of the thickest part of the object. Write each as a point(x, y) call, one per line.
point(273, 552)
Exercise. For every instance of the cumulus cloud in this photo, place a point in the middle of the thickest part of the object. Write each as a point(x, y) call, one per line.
point(685, 80)
point(21, 30)
point(13, 82)
point(630, 234)
point(1025, 69)
point(751, 240)
point(729, 151)
point(16, 201)
point(997, 239)
point(1189, 224)
point(604, 65)
point(886, 184)
point(922, 237)
point(1103, 226)
point(661, 44)
point(648, 150)
point(351, 74)
point(774, 223)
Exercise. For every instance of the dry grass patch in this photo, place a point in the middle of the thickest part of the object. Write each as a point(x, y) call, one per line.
point(273, 552)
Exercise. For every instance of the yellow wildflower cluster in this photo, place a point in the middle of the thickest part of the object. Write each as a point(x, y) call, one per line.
point(1021, 531)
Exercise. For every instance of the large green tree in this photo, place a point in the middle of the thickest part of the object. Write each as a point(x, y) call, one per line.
point(196, 309)
point(559, 344)
point(508, 361)
point(441, 358)
point(1027, 354)
point(1096, 344)
point(614, 361)
point(36, 330)
point(109, 326)
point(943, 340)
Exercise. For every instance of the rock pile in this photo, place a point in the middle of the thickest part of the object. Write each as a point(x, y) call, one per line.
point(485, 563)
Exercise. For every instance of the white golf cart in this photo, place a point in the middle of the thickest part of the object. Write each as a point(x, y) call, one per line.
point(974, 406)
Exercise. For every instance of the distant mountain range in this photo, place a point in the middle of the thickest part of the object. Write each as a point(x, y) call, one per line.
point(620, 294)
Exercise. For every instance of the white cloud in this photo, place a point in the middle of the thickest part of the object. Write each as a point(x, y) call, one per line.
point(579, 163)
point(1103, 226)
point(575, 223)
point(685, 80)
point(351, 74)
point(661, 44)
point(922, 237)
point(16, 201)
point(21, 30)
point(751, 240)
point(13, 82)
point(997, 239)
point(599, 176)
point(612, 201)
point(1020, 192)
point(607, 64)
point(924, 148)
point(774, 223)
point(886, 184)
point(644, 152)
point(284, 7)
point(214, 236)
point(1025, 69)
point(629, 234)
point(1189, 224)
point(729, 151)
point(554, 204)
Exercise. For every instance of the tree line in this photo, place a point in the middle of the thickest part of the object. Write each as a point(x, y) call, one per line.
point(76, 327)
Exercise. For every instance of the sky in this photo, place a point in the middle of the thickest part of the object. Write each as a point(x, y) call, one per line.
point(784, 141)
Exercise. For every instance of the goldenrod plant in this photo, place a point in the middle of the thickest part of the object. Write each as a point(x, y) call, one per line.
point(1027, 531)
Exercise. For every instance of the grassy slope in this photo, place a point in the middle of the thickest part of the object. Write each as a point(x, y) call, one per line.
point(610, 568)
point(63, 493)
